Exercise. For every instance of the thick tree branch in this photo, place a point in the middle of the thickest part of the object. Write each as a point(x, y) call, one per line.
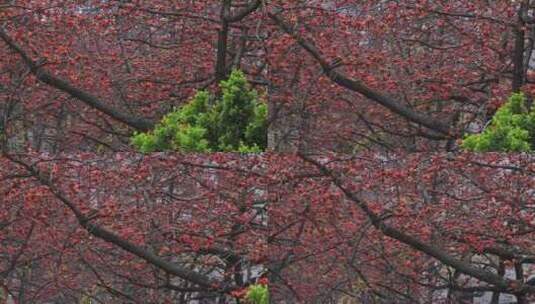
point(227, 18)
point(92, 101)
point(359, 87)
point(222, 43)
point(518, 53)
point(239, 15)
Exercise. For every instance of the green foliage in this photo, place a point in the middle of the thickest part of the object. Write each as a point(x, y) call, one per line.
point(512, 129)
point(236, 122)
point(257, 294)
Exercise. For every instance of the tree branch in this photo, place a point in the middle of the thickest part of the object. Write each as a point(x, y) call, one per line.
point(433, 251)
point(111, 237)
point(359, 87)
point(239, 15)
point(92, 101)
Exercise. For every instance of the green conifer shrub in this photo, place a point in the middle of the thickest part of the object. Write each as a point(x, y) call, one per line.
point(237, 122)
point(257, 294)
point(512, 129)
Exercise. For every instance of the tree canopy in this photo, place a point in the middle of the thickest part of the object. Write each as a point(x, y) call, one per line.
point(224, 151)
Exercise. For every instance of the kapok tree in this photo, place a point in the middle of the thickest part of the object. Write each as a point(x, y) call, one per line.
point(340, 75)
point(405, 229)
point(132, 228)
